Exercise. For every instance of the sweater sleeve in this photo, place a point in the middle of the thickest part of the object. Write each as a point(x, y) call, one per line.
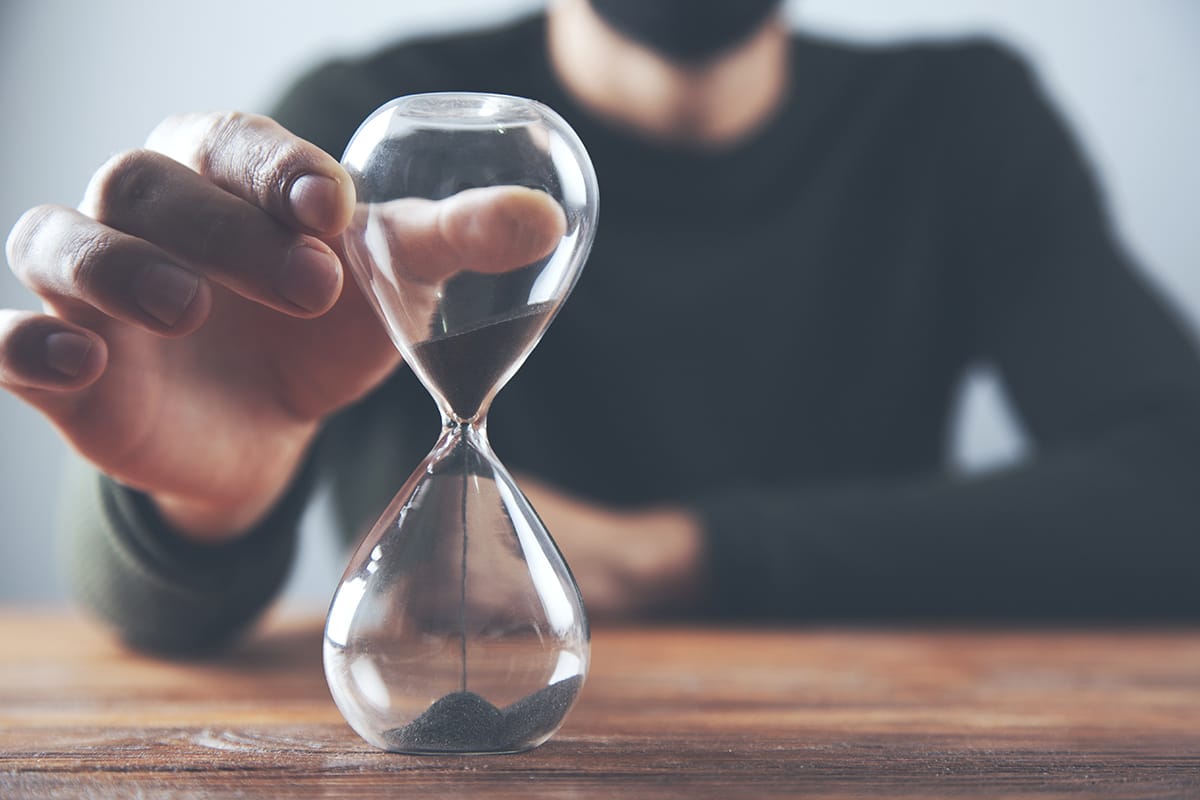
point(1103, 519)
point(160, 592)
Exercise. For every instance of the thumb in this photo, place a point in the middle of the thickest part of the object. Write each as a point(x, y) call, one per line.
point(492, 229)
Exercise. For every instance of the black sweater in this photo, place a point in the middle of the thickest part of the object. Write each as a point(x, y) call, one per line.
point(772, 335)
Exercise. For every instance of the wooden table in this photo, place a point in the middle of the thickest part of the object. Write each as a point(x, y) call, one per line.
point(670, 712)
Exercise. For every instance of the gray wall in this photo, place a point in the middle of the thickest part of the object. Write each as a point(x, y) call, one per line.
point(80, 81)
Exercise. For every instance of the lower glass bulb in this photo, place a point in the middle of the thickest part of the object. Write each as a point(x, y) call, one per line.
point(457, 627)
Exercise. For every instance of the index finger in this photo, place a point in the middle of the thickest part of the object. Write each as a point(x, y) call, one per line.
point(260, 161)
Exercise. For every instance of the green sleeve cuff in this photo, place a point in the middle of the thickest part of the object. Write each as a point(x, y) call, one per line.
point(160, 592)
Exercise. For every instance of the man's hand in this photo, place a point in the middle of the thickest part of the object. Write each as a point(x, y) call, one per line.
point(198, 325)
point(628, 563)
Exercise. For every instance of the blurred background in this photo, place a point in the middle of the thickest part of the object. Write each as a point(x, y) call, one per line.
point(82, 81)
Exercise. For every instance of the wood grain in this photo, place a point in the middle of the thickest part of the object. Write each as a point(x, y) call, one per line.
point(666, 712)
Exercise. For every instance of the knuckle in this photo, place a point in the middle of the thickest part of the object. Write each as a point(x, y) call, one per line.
point(246, 149)
point(188, 137)
point(276, 165)
point(208, 143)
point(218, 131)
point(83, 258)
point(24, 236)
point(51, 252)
point(125, 184)
point(224, 135)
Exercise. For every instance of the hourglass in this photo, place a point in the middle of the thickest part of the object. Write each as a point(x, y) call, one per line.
point(457, 627)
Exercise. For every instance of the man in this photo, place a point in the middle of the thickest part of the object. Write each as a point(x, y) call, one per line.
point(739, 412)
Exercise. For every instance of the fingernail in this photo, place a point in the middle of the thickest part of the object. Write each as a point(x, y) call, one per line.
point(309, 278)
point(164, 292)
point(67, 352)
point(313, 199)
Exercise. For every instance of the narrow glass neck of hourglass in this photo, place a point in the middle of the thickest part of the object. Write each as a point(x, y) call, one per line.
point(451, 420)
point(472, 432)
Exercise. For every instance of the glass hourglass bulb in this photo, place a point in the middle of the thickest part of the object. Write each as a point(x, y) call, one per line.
point(457, 626)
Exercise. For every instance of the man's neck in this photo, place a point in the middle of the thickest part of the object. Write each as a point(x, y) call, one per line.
point(710, 105)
